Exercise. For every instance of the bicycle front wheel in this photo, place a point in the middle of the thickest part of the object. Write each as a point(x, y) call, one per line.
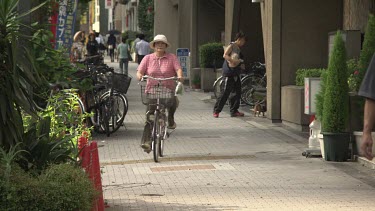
point(119, 109)
point(156, 138)
point(163, 135)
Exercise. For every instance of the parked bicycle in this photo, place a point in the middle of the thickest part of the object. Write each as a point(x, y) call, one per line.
point(107, 100)
point(253, 84)
point(159, 97)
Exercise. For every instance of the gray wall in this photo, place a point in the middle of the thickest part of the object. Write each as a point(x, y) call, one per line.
point(166, 22)
point(250, 23)
point(304, 34)
point(210, 24)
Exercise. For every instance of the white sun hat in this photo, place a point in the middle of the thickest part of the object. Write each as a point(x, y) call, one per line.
point(159, 38)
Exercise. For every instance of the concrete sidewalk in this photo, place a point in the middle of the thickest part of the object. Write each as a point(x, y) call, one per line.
point(224, 164)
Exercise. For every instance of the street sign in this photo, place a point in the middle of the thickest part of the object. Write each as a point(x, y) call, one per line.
point(184, 59)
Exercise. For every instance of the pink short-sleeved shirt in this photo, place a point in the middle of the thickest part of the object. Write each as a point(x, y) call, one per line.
point(160, 67)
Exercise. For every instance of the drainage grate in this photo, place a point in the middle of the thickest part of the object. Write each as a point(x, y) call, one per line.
point(182, 168)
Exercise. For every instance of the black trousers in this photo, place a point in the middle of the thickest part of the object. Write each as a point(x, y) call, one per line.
point(232, 90)
point(140, 57)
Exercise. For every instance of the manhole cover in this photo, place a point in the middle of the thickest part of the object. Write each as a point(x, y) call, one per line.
point(182, 168)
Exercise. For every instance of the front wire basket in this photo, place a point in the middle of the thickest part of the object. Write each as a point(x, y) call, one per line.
point(121, 82)
point(156, 92)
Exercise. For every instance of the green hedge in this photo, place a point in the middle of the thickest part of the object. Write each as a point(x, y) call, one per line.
point(301, 74)
point(210, 54)
point(60, 187)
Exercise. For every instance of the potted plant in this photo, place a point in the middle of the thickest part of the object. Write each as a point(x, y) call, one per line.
point(210, 58)
point(196, 82)
point(336, 104)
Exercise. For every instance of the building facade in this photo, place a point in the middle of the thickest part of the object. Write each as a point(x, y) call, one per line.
point(285, 34)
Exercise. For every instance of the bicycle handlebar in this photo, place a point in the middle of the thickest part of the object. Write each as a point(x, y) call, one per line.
point(158, 79)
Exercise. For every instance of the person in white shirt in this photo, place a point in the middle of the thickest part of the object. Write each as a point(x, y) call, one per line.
point(142, 48)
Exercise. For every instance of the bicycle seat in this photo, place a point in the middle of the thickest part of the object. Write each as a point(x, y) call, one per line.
point(99, 87)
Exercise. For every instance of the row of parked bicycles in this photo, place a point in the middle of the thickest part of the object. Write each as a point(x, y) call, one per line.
point(253, 84)
point(106, 101)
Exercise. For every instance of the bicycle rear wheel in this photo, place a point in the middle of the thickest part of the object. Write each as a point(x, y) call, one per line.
point(156, 138)
point(218, 86)
point(248, 84)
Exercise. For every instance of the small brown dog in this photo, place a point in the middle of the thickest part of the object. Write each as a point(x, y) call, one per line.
point(260, 107)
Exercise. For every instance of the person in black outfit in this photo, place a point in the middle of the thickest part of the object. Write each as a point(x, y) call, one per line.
point(111, 46)
point(232, 66)
point(92, 45)
point(367, 90)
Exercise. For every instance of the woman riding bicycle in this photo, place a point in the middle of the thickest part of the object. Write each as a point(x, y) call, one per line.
point(160, 64)
point(231, 72)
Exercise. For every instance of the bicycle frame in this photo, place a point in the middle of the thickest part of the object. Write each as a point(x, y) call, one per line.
point(159, 130)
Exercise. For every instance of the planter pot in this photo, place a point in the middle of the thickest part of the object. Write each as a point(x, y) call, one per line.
point(195, 86)
point(208, 77)
point(321, 142)
point(358, 141)
point(336, 146)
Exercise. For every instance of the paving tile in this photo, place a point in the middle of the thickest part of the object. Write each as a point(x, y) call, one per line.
point(250, 164)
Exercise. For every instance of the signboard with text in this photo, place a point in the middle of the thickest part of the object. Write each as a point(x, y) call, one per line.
point(184, 59)
point(312, 87)
point(65, 23)
point(108, 4)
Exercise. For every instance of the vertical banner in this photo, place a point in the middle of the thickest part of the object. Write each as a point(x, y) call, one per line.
point(53, 21)
point(65, 23)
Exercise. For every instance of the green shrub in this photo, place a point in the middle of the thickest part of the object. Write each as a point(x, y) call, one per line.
point(319, 98)
point(367, 51)
point(301, 74)
point(61, 187)
point(353, 75)
point(211, 55)
point(336, 99)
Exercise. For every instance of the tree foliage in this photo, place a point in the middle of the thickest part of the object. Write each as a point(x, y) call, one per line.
point(336, 99)
point(146, 17)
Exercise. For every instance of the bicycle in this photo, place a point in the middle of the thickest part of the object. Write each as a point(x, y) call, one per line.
point(63, 102)
point(250, 81)
point(158, 96)
point(106, 100)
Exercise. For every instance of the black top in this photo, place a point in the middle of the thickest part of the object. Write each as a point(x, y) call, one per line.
point(368, 84)
point(92, 47)
point(112, 40)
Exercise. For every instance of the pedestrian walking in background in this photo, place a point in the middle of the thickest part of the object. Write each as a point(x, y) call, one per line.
point(111, 46)
point(367, 90)
point(142, 48)
point(133, 46)
point(123, 56)
point(233, 63)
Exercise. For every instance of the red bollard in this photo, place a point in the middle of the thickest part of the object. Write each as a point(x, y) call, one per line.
point(96, 177)
point(90, 162)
